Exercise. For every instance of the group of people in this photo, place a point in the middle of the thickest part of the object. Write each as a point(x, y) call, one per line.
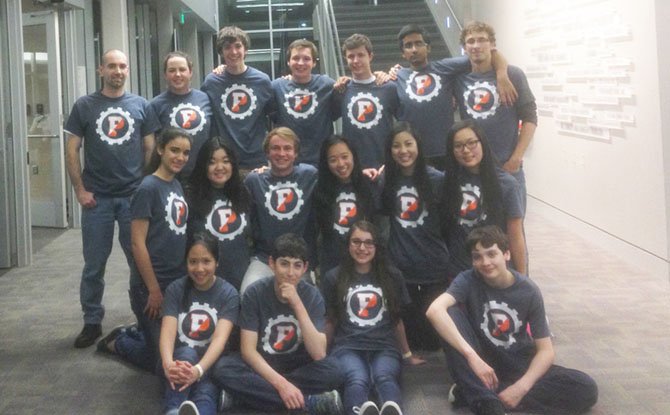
point(296, 268)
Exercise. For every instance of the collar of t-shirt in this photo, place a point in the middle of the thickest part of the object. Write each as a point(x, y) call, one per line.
point(370, 80)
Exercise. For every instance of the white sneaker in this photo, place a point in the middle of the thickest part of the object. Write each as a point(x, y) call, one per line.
point(390, 408)
point(188, 408)
point(368, 408)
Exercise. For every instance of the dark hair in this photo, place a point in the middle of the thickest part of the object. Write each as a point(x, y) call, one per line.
point(355, 41)
point(166, 135)
point(380, 275)
point(289, 245)
point(392, 172)
point(231, 34)
point(177, 54)
point(211, 245)
point(491, 193)
point(411, 29)
point(487, 236)
point(199, 191)
point(327, 185)
point(302, 44)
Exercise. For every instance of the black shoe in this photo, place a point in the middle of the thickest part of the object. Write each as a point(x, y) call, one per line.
point(327, 403)
point(103, 344)
point(390, 408)
point(490, 407)
point(368, 408)
point(456, 397)
point(87, 337)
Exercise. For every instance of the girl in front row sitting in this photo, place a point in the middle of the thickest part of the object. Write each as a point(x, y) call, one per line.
point(363, 300)
point(199, 312)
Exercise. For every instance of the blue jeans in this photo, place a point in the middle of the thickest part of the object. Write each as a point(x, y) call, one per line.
point(367, 369)
point(559, 391)
point(203, 393)
point(97, 234)
point(141, 348)
point(252, 390)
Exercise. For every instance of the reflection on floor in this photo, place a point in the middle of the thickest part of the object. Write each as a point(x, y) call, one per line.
point(608, 319)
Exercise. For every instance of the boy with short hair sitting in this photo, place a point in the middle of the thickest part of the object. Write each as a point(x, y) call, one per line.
point(283, 362)
point(493, 360)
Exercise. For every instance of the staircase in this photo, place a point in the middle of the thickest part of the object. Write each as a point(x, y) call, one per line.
point(382, 23)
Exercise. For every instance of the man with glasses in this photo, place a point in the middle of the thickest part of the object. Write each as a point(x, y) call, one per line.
point(479, 98)
point(425, 90)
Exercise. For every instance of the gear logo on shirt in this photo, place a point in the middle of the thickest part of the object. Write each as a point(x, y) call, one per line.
point(481, 100)
point(409, 209)
point(282, 335)
point(238, 101)
point(346, 212)
point(471, 212)
point(115, 126)
point(195, 328)
point(423, 87)
point(284, 200)
point(500, 323)
point(188, 117)
point(176, 213)
point(224, 223)
point(365, 305)
point(300, 103)
point(364, 110)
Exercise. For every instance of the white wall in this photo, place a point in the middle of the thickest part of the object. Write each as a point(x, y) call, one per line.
point(616, 184)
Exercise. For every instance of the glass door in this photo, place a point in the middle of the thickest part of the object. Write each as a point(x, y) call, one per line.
point(41, 59)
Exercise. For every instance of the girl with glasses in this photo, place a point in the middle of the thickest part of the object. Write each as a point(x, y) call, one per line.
point(478, 192)
point(363, 301)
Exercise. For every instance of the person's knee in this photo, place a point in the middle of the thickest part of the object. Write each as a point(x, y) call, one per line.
point(586, 392)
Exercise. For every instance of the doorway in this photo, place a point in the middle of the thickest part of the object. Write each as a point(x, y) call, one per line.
point(46, 156)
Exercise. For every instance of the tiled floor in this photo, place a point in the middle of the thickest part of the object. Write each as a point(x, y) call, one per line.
point(608, 319)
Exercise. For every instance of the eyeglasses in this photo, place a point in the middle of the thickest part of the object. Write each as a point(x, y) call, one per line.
point(470, 144)
point(368, 243)
point(417, 44)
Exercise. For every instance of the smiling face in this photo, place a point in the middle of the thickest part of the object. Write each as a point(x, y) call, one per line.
point(281, 154)
point(404, 151)
point(362, 249)
point(491, 264)
point(341, 161)
point(178, 75)
point(301, 62)
point(113, 70)
point(174, 155)
point(219, 169)
point(468, 150)
point(201, 266)
point(358, 60)
point(478, 47)
point(415, 50)
point(233, 54)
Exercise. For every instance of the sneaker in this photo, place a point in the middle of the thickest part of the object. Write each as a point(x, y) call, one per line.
point(368, 408)
point(490, 407)
point(103, 344)
point(327, 403)
point(188, 408)
point(456, 397)
point(390, 408)
point(87, 337)
point(226, 401)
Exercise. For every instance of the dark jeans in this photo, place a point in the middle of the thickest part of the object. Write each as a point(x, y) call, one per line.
point(252, 390)
point(420, 333)
point(368, 369)
point(141, 348)
point(559, 391)
point(203, 393)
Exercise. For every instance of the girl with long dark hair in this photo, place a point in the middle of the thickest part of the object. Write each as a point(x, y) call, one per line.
point(411, 198)
point(199, 312)
point(343, 196)
point(219, 204)
point(363, 297)
point(478, 192)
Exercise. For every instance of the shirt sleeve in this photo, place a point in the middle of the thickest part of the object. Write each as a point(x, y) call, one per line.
point(140, 205)
point(172, 299)
point(231, 304)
